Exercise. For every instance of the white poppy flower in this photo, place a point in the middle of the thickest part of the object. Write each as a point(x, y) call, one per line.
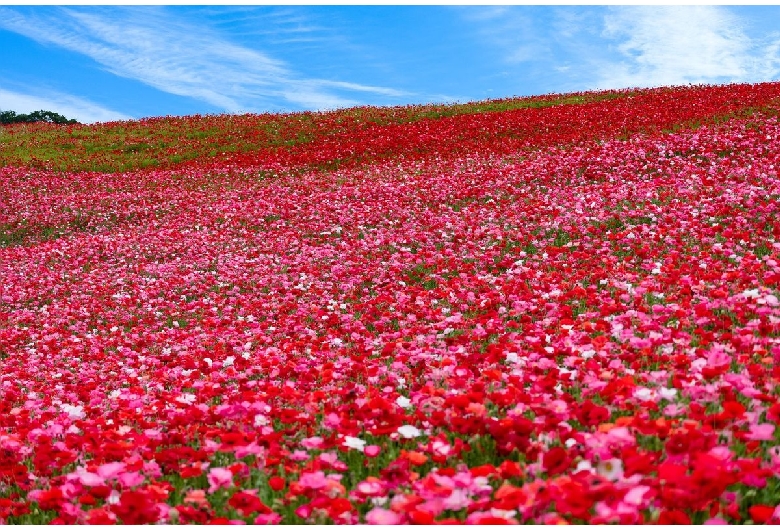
point(409, 431)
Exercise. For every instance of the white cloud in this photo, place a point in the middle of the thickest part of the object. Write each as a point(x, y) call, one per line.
point(673, 45)
point(67, 105)
point(570, 48)
point(154, 47)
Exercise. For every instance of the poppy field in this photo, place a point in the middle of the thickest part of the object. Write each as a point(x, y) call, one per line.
point(552, 310)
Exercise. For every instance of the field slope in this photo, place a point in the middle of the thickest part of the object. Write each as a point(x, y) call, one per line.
point(561, 309)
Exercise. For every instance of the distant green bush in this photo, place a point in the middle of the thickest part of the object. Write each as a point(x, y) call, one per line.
point(9, 116)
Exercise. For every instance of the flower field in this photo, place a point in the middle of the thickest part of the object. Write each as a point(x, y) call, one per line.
point(561, 309)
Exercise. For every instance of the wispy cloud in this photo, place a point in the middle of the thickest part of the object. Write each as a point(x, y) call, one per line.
point(363, 88)
point(669, 45)
point(153, 46)
point(591, 47)
point(277, 26)
point(65, 104)
point(509, 28)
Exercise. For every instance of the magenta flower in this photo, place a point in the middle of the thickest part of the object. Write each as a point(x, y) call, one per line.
point(268, 518)
point(372, 451)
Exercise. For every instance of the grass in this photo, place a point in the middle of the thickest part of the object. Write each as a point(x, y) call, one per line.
point(18, 235)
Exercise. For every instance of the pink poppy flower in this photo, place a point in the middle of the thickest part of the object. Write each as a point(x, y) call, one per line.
point(761, 432)
point(219, 477)
point(382, 516)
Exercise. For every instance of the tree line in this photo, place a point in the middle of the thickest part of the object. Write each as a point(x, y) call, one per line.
point(47, 116)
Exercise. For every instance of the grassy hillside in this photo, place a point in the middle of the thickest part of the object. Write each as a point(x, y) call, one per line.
point(161, 142)
point(358, 135)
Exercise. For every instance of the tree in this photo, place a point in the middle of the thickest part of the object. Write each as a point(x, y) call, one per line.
point(46, 116)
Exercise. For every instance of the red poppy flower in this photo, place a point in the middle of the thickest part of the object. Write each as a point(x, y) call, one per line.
point(556, 460)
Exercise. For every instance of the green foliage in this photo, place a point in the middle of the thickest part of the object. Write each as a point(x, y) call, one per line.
point(8, 117)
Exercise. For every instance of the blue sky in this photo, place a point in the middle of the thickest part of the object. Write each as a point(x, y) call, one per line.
point(102, 63)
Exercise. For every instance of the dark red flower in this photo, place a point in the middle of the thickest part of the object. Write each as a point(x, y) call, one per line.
point(673, 517)
point(556, 461)
point(247, 503)
point(136, 507)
